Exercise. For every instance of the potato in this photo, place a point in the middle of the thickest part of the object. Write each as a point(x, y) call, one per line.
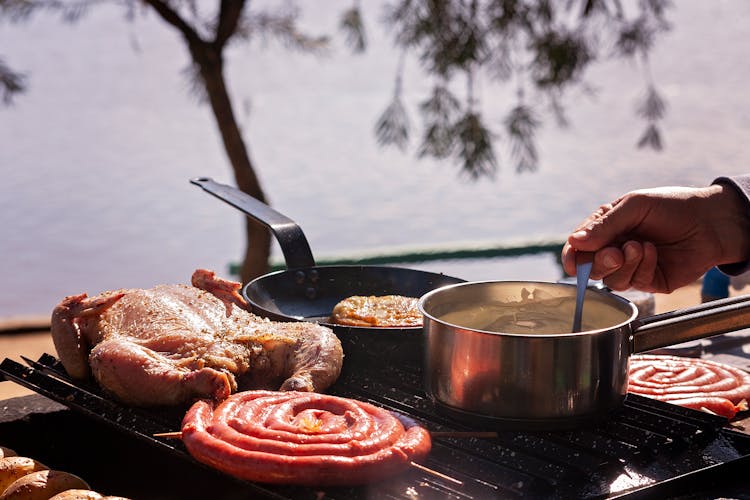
point(77, 494)
point(42, 485)
point(7, 452)
point(13, 468)
point(84, 495)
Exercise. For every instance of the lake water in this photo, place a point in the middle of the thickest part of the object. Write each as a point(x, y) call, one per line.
point(96, 156)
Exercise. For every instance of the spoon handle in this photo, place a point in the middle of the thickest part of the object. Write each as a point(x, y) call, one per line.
point(584, 261)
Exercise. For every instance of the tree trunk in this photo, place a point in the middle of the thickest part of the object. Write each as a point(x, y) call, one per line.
point(258, 249)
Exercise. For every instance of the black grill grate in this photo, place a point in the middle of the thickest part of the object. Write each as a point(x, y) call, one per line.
point(646, 447)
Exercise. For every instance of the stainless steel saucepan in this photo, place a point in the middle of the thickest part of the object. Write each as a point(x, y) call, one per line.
point(500, 351)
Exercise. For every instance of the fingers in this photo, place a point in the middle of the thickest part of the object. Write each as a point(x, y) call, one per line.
point(634, 265)
point(609, 224)
point(644, 277)
point(593, 234)
point(587, 238)
point(611, 233)
point(606, 261)
point(568, 259)
point(621, 278)
point(638, 269)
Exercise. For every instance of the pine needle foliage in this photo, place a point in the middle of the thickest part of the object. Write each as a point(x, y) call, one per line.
point(392, 127)
point(543, 47)
point(520, 125)
point(439, 113)
point(11, 83)
point(475, 147)
point(353, 27)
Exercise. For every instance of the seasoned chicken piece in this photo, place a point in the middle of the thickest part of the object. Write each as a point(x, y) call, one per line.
point(172, 344)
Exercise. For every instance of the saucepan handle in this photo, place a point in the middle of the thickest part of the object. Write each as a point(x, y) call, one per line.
point(692, 323)
point(291, 239)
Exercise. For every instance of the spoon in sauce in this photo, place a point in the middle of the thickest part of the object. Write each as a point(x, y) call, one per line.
point(584, 262)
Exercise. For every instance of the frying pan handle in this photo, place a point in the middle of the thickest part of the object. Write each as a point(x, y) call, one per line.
point(291, 239)
point(692, 323)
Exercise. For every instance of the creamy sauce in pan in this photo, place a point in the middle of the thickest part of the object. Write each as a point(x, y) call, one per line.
point(533, 314)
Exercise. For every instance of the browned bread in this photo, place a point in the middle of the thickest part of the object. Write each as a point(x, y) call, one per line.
point(377, 311)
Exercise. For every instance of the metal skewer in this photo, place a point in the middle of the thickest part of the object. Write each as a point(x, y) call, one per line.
point(178, 435)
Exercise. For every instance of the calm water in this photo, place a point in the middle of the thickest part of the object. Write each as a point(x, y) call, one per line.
point(96, 156)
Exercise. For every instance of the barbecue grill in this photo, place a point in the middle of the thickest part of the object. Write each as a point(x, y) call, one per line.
point(646, 449)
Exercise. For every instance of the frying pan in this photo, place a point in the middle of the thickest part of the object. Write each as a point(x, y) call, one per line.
point(492, 373)
point(306, 292)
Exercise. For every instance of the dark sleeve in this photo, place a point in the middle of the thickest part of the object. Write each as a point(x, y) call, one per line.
point(741, 183)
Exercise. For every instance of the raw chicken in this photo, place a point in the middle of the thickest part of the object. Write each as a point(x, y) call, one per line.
point(172, 344)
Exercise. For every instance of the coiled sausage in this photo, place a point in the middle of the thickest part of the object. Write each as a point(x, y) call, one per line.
point(690, 382)
point(301, 438)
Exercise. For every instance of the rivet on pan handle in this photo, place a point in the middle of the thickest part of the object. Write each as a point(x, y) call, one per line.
point(291, 239)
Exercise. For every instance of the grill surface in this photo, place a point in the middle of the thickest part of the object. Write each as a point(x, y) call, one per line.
point(647, 448)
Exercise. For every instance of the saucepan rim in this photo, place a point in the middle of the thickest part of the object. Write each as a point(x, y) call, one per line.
point(605, 294)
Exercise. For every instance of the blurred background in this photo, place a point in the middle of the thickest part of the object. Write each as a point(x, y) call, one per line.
point(97, 153)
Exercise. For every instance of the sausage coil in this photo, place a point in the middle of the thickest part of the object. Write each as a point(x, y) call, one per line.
point(301, 438)
point(690, 382)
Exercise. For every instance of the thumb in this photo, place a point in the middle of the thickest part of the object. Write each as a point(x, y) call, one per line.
point(603, 229)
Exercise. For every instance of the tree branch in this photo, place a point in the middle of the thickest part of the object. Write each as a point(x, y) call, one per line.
point(229, 16)
point(172, 17)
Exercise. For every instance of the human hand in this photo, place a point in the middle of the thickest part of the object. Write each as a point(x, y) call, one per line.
point(658, 240)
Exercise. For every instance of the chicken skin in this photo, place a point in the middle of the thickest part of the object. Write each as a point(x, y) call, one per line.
point(173, 344)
